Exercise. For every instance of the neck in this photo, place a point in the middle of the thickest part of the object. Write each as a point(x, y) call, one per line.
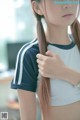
point(57, 35)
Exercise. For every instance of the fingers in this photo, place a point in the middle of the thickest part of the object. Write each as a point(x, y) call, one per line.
point(50, 53)
point(47, 54)
point(40, 66)
point(40, 62)
point(41, 57)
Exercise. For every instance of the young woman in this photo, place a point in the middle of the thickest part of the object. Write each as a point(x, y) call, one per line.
point(50, 64)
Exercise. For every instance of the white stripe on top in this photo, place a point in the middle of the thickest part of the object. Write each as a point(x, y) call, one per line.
point(21, 61)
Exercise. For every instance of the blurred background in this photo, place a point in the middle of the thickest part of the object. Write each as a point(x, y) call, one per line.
point(17, 26)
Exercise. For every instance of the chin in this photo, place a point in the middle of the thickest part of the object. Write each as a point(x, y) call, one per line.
point(66, 23)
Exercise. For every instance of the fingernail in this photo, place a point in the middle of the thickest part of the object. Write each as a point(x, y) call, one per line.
point(37, 55)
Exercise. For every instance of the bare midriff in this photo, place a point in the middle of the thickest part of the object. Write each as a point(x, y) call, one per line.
point(66, 112)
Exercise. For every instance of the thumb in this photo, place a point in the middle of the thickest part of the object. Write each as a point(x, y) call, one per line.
point(49, 53)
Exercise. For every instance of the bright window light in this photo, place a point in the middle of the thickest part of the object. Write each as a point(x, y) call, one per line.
point(18, 3)
point(21, 26)
point(7, 19)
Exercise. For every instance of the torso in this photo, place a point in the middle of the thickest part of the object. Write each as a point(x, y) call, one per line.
point(69, 111)
point(65, 107)
point(66, 112)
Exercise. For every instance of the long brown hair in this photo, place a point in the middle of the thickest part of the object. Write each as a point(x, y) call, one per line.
point(44, 86)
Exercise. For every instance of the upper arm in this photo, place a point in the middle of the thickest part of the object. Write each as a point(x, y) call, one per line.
point(27, 101)
point(25, 81)
point(26, 71)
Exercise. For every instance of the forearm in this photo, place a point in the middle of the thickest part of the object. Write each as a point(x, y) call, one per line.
point(71, 75)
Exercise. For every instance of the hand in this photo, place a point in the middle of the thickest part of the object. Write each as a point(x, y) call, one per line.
point(50, 65)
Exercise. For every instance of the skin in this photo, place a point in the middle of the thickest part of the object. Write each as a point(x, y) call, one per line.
point(46, 69)
point(56, 33)
point(56, 25)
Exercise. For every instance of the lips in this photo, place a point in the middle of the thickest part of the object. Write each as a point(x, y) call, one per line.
point(67, 15)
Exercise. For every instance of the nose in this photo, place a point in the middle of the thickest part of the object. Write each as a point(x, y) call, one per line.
point(67, 6)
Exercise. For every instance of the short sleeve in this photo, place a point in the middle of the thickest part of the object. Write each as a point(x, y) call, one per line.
point(26, 71)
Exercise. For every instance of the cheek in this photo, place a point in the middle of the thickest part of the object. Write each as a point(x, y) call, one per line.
point(53, 14)
point(55, 18)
